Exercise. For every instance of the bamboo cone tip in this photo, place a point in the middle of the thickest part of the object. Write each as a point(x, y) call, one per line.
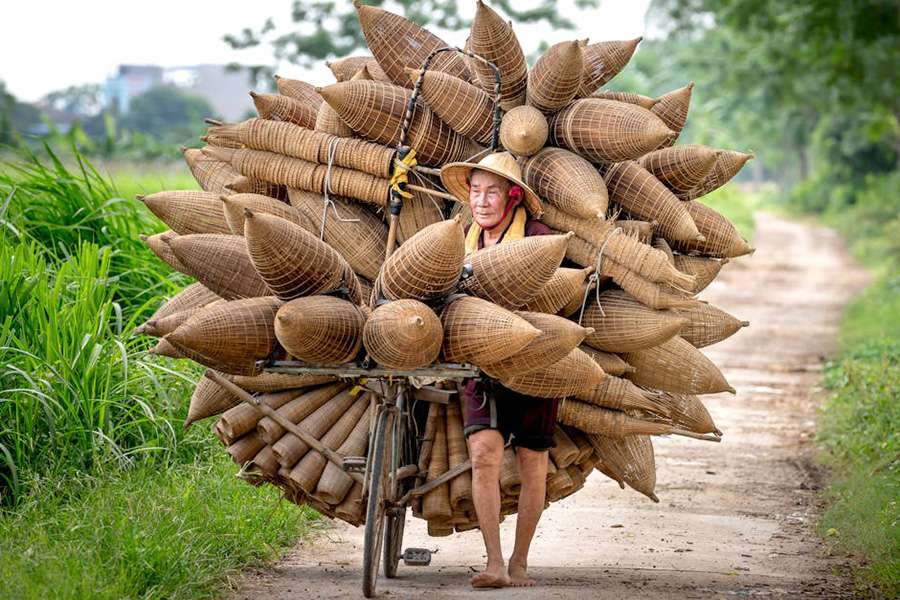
point(254, 94)
point(745, 323)
point(416, 321)
point(187, 423)
point(588, 331)
point(690, 86)
point(183, 149)
point(143, 237)
point(140, 197)
point(700, 237)
point(730, 390)
point(653, 497)
point(277, 76)
point(225, 199)
point(248, 214)
point(718, 432)
point(569, 235)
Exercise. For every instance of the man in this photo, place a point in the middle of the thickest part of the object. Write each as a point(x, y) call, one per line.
point(500, 203)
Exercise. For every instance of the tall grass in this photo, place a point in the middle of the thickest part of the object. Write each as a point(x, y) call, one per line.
point(77, 391)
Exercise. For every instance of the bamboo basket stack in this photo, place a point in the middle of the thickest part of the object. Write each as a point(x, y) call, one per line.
point(287, 240)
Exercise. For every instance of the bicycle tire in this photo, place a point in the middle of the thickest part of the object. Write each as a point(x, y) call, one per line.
point(374, 533)
point(401, 454)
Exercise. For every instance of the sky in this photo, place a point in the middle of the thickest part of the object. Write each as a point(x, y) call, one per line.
point(48, 44)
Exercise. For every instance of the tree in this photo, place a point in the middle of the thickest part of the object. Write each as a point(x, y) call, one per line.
point(15, 117)
point(168, 113)
point(79, 100)
point(325, 29)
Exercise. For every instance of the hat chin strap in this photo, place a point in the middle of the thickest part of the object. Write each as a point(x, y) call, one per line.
point(510, 205)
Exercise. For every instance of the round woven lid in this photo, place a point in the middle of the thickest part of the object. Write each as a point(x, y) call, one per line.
point(524, 130)
point(455, 177)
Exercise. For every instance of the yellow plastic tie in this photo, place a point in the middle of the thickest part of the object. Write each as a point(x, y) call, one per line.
point(401, 173)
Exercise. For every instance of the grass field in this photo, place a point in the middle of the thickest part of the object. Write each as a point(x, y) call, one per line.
point(102, 494)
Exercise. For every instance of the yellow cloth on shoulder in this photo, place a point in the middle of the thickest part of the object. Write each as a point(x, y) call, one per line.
point(515, 231)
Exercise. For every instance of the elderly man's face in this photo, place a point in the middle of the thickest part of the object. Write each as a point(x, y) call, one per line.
point(488, 195)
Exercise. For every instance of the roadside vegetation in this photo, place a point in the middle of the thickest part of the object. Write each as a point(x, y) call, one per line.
point(102, 494)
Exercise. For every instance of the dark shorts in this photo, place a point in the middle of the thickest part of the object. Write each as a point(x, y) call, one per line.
point(524, 421)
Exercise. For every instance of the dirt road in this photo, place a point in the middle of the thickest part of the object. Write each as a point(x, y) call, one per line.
point(734, 518)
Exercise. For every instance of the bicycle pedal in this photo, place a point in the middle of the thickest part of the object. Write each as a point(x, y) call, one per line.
point(354, 464)
point(417, 557)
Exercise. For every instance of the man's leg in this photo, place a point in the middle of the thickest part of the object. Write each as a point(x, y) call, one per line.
point(533, 474)
point(486, 453)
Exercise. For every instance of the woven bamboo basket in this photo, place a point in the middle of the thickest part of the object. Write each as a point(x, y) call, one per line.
point(212, 175)
point(320, 329)
point(603, 61)
point(603, 421)
point(646, 292)
point(436, 503)
point(297, 409)
point(344, 69)
point(427, 266)
point(298, 90)
point(481, 332)
point(458, 453)
point(663, 246)
point(275, 107)
point(243, 418)
point(672, 108)
point(524, 130)
point(244, 449)
point(558, 337)
point(159, 245)
point(328, 121)
point(510, 482)
point(249, 185)
point(676, 366)
point(622, 324)
point(704, 269)
point(357, 234)
point(688, 412)
point(289, 448)
point(233, 207)
point(555, 78)
point(565, 452)
point(493, 39)
point(274, 382)
point(466, 108)
point(263, 465)
point(632, 458)
point(585, 449)
point(195, 295)
point(643, 230)
point(312, 146)
point(220, 262)
point(308, 470)
point(629, 97)
point(564, 286)
point(306, 175)
point(620, 394)
point(398, 43)
point(235, 332)
point(558, 484)
point(640, 194)
point(209, 399)
point(612, 364)
point(567, 181)
point(418, 212)
point(572, 374)
point(335, 482)
point(722, 239)
point(375, 111)
point(438, 528)
point(573, 306)
point(164, 348)
point(168, 324)
point(606, 130)
point(404, 334)
point(681, 168)
point(291, 260)
point(513, 274)
point(351, 509)
point(727, 165)
point(707, 325)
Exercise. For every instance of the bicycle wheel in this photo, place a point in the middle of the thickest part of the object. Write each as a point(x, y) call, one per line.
point(374, 533)
point(393, 532)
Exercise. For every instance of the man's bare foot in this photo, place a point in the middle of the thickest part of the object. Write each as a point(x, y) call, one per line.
point(518, 576)
point(491, 577)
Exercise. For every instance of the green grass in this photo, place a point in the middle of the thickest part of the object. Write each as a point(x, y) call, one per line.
point(102, 494)
point(144, 533)
point(859, 428)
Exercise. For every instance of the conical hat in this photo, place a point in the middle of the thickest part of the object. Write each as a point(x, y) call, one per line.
point(455, 177)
